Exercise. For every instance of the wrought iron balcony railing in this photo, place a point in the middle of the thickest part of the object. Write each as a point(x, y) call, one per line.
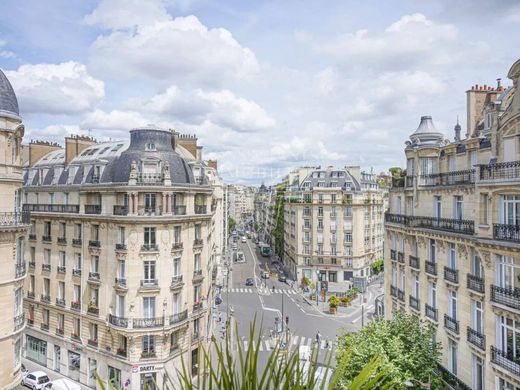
point(178, 317)
point(45, 298)
point(500, 171)
point(62, 240)
point(430, 267)
point(121, 282)
point(94, 243)
point(19, 321)
point(476, 338)
point(176, 281)
point(121, 247)
point(75, 306)
point(393, 254)
point(506, 296)
point(414, 262)
point(179, 210)
point(198, 242)
point(451, 324)
point(415, 303)
point(76, 241)
point(20, 270)
point(430, 312)
point(149, 247)
point(120, 322)
point(449, 178)
point(197, 306)
point(505, 360)
point(120, 210)
point(148, 322)
point(475, 283)
point(201, 209)
point(149, 283)
point(60, 302)
point(400, 295)
point(52, 208)
point(92, 209)
point(400, 257)
point(393, 291)
point(451, 275)
point(462, 226)
point(505, 232)
point(150, 178)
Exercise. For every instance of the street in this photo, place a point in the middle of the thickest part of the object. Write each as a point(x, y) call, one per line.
point(260, 301)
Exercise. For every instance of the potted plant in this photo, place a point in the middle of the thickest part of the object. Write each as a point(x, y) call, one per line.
point(345, 301)
point(333, 304)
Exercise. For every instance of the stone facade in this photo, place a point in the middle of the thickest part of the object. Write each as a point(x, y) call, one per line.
point(123, 248)
point(453, 239)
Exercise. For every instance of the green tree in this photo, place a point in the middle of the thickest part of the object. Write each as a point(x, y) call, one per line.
point(404, 344)
point(231, 224)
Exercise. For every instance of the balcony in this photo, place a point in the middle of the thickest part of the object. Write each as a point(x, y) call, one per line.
point(201, 209)
point(47, 238)
point(76, 272)
point(94, 277)
point(32, 264)
point(76, 306)
point(461, 226)
point(393, 291)
point(92, 209)
point(30, 294)
point(414, 262)
point(176, 246)
point(143, 323)
point(149, 283)
point(94, 244)
point(430, 312)
point(393, 254)
point(476, 338)
point(32, 237)
point(179, 210)
point(44, 327)
point(61, 269)
point(15, 219)
point(92, 343)
point(149, 248)
point(62, 240)
point(430, 268)
point(197, 306)
point(198, 242)
point(506, 296)
point(120, 282)
point(120, 210)
point(93, 309)
point(148, 354)
point(450, 380)
point(400, 294)
point(451, 324)
point(415, 303)
point(20, 270)
point(75, 336)
point(176, 282)
point(506, 232)
point(121, 352)
point(45, 298)
point(475, 283)
point(400, 257)
point(19, 322)
point(60, 332)
point(120, 247)
point(52, 208)
point(505, 360)
point(60, 302)
point(76, 241)
point(451, 275)
point(178, 317)
point(505, 171)
point(150, 178)
point(120, 322)
point(46, 267)
point(454, 178)
point(30, 321)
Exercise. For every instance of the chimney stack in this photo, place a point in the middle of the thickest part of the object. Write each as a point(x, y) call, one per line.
point(75, 144)
point(38, 149)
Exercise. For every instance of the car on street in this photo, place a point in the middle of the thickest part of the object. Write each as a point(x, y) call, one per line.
point(36, 380)
point(282, 278)
point(257, 242)
point(244, 239)
point(218, 301)
point(249, 282)
point(265, 275)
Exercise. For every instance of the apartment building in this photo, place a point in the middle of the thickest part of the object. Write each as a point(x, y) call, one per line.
point(122, 240)
point(13, 228)
point(453, 239)
point(333, 224)
point(241, 201)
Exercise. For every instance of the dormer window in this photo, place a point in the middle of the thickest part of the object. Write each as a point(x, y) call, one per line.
point(150, 147)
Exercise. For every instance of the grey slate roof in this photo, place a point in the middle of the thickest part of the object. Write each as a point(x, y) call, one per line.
point(8, 101)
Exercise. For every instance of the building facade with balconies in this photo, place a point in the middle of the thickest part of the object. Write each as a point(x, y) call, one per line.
point(14, 224)
point(119, 252)
point(333, 225)
point(453, 239)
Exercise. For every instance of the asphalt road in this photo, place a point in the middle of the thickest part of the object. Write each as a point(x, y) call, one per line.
point(260, 302)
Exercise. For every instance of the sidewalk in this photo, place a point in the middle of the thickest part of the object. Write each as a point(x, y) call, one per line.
point(53, 375)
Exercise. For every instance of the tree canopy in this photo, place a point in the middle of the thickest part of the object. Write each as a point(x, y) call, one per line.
point(405, 345)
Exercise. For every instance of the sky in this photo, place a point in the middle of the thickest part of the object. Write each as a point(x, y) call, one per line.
point(265, 85)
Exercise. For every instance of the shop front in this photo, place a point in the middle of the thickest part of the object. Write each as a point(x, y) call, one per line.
point(36, 350)
point(148, 376)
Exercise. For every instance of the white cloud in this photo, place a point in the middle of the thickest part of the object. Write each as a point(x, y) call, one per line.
point(118, 120)
point(120, 14)
point(55, 133)
point(179, 50)
point(65, 88)
point(222, 108)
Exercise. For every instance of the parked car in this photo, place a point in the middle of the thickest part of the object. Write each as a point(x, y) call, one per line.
point(282, 278)
point(244, 239)
point(62, 384)
point(249, 282)
point(265, 275)
point(36, 380)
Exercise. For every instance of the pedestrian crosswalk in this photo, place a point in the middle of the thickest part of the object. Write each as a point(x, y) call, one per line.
point(267, 344)
point(247, 290)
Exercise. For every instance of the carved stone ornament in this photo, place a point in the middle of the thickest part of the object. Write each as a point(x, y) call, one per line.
point(133, 170)
point(485, 256)
point(102, 226)
point(462, 250)
point(441, 245)
point(110, 226)
point(421, 242)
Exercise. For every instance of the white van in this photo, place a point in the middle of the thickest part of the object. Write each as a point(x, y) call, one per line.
point(62, 384)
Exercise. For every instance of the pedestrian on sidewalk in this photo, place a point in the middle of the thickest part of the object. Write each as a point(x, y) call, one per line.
point(219, 317)
point(318, 337)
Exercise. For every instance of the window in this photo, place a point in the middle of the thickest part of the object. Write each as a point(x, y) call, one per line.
point(196, 294)
point(177, 266)
point(452, 256)
point(94, 264)
point(149, 203)
point(120, 305)
point(484, 200)
point(61, 290)
point(415, 287)
point(46, 286)
point(47, 229)
point(77, 259)
point(401, 280)
point(348, 237)
point(17, 349)
point(306, 236)
point(95, 232)
point(320, 211)
point(63, 230)
point(458, 207)
point(437, 207)
point(177, 235)
point(177, 303)
point(47, 257)
point(51, 198)
point(503, 385)
point(148, 344)
point(149, 307)
point(452, 304)
point(510, 210)
point(348, 251)
point(432, 294)
point(18, 306)
point(333, 276)
point(477, 316)
point(121, 234)
point(306, 223)
point(77, 231)
point(320, 223)
point(306, 211)
point(197, 266)
point(477, 373)
point(476, 265)
point(452, 356)
point(320, 198)
point(150, 147)
point(93, 331)
point(45, 317)
point(333, 198)
point(149, 271)
point(121, 269)
point(77, 293)
point(508, 337)
point(62, 258)
point(76, 326)
point(198, 231)
point(432, 251)
point(149, 236)
point(60, 319)
point(507, 271)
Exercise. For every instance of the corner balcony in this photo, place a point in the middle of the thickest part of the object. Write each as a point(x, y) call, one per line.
point(506, 360)
point(20, 270)
point(500, 172)
point(92, 209)
point(414, 303)
point(503, 232)
point(460, 226)
point(393, 291)
point(509, 297)
point(476, 338)
point(430, 312)
point(144, 323)
point(451, 275)
point(430, 268)
point(197, 276)
point(176, 282)
point(414, 262)
point(451, 324)
point(120, 322)
point(19, 322)
point(178, 318)
point(198, 242)
point(475, 283)
point(453, 178)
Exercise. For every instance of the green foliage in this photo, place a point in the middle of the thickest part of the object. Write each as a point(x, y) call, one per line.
point(396, 171)
point(404, 344)
point(231, 224)
point(334, 301)
point(378, 266)
point(278, 231)
point(306, 281)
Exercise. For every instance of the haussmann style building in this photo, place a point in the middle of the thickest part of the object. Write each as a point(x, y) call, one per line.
point(453, 239)
point(122, 249)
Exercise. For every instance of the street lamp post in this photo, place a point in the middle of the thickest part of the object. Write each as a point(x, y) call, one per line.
point(317, 282)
